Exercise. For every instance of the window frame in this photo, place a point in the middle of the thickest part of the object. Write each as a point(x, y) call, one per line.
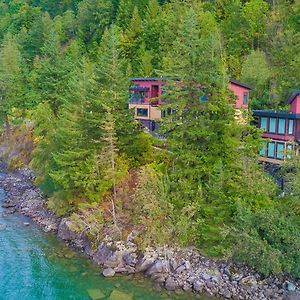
point(263, 150)
point(246, 96)
point(268, 147)
point(288, 156)
point(278, 124)
point(283, 151)
point(142, 115)
point(266, 127)
point(291, 132)
point(275, 127)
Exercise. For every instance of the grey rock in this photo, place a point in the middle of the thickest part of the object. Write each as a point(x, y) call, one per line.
point(158, 278)
point(227, 294)
point(170, 284)
point(198, 286)
point(186, 287)
point(290, 286)
point(108, 272)
point(248, 281)
point(180, 269)
point(209, 284)
point(187, 265)
point(129, 259)
point(64, 231)
point(107, 257)
point(144, 264)
point(291, 295)
point(158, 267)
point(174, 265)
point(205, 276)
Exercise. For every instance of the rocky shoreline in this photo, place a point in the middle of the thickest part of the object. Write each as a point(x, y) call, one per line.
point(169, 267)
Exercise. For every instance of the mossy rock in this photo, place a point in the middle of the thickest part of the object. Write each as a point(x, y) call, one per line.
point(96, 294)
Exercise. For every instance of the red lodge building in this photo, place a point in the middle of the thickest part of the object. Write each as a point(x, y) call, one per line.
point(145, 99)
point(281, 129)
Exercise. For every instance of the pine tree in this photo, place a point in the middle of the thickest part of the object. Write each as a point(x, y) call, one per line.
point(51, 73)
point(11, 79)
point(111, 75)
point(111, 164)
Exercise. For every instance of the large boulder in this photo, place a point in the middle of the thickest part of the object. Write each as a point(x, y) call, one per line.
point(170, 284)
point(64, 231)
point(108, 272)
point(143, 264)
point(159, 266)
point(106, 256)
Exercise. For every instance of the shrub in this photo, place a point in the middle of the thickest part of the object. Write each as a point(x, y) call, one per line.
point(267, 239)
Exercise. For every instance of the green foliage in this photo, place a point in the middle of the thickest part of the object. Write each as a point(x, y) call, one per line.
point(151, 208)
point(88, 220)
point(267, 239)
point(64, 65)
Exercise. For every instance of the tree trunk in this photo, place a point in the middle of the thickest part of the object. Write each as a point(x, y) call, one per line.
point(7, 126)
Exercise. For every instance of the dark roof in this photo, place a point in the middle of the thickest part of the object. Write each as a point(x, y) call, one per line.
point(247, 86)
point(139, 89)
point(146, 79)
point(276, 113)
point(292, 96)
point(162, 78)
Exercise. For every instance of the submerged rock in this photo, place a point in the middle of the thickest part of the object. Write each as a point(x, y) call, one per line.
point(96, 294)
point(118, 295)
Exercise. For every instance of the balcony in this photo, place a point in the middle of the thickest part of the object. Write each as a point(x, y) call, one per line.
point(137, 100)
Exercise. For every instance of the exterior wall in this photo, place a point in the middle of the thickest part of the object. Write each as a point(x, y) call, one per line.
point(154, 113)
point(239, 92)
point(282, 137)
point(149, 84)
point(273, 158)
point(285, 136)
point(297, 130)
point(295, 105)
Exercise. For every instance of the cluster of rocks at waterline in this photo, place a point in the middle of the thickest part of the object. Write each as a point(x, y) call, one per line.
point(170, 268)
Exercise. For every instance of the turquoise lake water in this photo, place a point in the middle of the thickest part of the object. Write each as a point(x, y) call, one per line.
point(35, 266)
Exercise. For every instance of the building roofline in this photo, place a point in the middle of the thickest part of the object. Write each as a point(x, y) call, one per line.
point(292, 96)
point(276, 113)
point(245, 85)
point(162, 78)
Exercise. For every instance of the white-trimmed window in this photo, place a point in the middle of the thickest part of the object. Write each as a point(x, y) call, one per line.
point(264, 123)
point(291, 127)
point(281, 126)
point(272, 125)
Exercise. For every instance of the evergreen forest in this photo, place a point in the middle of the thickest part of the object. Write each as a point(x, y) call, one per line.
point(65, 69)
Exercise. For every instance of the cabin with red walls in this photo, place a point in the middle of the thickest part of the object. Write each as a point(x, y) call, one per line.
point(145, 99)
point(281, 129)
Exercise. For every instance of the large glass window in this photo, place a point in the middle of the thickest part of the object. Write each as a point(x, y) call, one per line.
point(263, 123)
point(291, 127)
point(142, 112)
point(263, 149)
point(245, 98)
point(281, 126)
point(272, 125)
point(280, 150)
point(289, 149)
point(271, 149)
